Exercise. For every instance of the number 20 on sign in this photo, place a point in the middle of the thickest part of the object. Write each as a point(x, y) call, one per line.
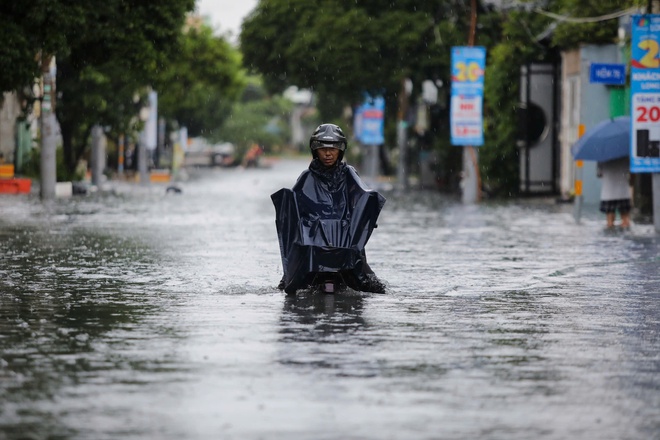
point(647, 108)
point(468, 72)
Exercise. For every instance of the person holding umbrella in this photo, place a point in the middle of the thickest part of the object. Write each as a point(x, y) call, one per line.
point(615, 191)
point(608, 143)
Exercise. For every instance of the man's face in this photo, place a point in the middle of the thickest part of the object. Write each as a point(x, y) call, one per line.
point(328, 156)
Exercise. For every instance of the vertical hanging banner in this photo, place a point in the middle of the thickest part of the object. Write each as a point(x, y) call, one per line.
point(645, 94)
point(179, 149)
point(151, 124)
point(468, 65)
point(369, 121)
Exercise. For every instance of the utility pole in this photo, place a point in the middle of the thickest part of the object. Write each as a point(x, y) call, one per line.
point(160, 146)
point(98, 155)
point(655, 177)
point(121, 147)
point(48, 125)
point(142, 159)
point(471, 181)
point(148, 137)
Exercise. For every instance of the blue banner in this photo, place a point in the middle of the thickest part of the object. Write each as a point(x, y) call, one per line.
point(369, 121)
point(645, 94)
point(468, 66)
point(612, 74)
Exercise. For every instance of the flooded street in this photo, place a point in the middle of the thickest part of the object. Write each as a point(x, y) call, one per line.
point(138, 314)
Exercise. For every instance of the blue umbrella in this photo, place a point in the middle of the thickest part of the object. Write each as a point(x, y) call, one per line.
point(608, 140)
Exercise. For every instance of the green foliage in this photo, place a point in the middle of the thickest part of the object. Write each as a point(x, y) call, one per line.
point(106, 51)
point(266, 36)
point(570, 35)
point(499, 156)
point(264, 122)
point(518, 44)
point(340, 48)
point(498, 159)
point(117, 50)
point(100, 95)
point(254, 89)
point(109, 51)
point(32, 167)
point(199, 84)
point(343, 48)
point(29, 28)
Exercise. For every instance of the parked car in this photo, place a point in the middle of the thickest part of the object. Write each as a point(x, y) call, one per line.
point(223, 155)
point(200, 153)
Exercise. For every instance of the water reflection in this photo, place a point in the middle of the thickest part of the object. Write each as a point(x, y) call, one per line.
point(324, 318)
point(142, 315)
point(325, 331)
point(639, 336)
point(72, 304)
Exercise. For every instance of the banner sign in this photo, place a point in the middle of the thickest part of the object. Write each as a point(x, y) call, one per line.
point(369, 120)
point(645, 94)
point(150, 130)
point(468, 65)
point(612, 74)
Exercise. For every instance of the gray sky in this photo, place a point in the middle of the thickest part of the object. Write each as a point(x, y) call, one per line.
point(226, 15)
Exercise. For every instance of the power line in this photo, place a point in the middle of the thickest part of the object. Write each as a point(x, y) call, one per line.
point(586, 19)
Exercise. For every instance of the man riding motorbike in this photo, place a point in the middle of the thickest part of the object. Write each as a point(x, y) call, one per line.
point(325, 220)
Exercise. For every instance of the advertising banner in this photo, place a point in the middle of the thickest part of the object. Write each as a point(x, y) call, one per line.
point(369, 121)
point(468, 65)
point(645, 94)
point(151, 124)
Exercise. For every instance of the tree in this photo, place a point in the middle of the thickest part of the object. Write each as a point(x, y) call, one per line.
point(106, 51)
point(30, 29)
point(513, 46)
point(257, 118)
point(342, 49)
point(520, 40)
point(118, 51)
point(199, 84)
point(570, 34)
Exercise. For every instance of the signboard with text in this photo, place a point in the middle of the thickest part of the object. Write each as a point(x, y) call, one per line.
point(612, 74)
point(369, 121)
point(645, 94)
point(468, 65)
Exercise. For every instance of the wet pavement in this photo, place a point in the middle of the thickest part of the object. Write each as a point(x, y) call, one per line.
point(139, 314)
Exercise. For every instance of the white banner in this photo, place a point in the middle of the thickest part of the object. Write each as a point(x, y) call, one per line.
point(151, 124)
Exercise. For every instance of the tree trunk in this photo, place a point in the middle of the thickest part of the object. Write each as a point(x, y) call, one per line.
point(66, 125)
point(67, 139)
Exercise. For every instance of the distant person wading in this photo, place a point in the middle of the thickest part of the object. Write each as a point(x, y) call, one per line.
point(615, 191)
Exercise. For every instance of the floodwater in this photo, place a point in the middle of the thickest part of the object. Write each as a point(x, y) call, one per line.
point(138, 314)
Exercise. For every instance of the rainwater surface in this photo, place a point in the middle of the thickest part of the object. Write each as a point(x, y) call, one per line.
point(139, 314)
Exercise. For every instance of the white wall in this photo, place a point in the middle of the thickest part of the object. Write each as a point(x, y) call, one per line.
point(9, 111)
point(582, 103)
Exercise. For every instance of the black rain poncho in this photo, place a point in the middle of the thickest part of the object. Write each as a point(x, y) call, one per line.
point(323, 224)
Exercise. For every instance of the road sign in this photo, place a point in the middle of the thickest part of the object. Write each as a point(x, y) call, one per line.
point(612, 74)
